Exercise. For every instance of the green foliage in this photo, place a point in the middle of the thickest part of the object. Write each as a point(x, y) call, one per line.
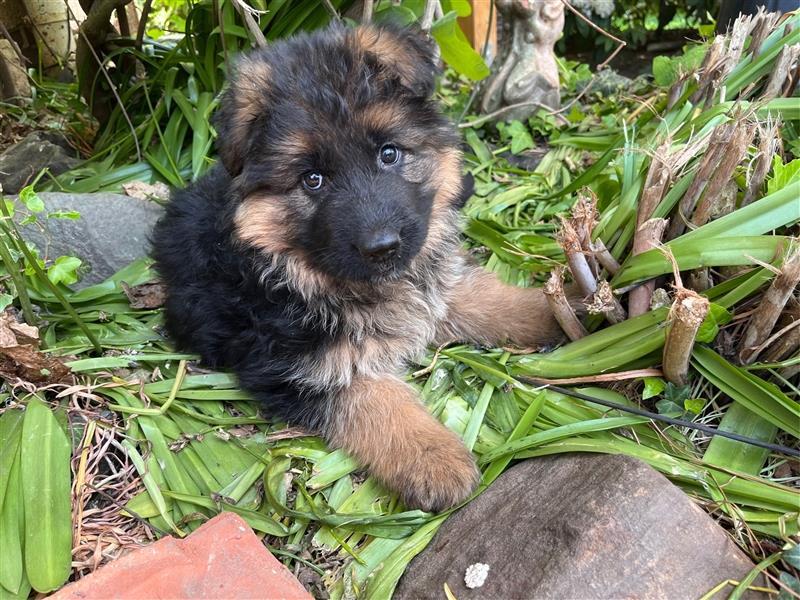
point(667, 70)
point(171, 104)
point(517, 134)
point(635, 21)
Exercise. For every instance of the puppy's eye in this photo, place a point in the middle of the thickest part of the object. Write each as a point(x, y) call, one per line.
point(389, 154)
point(312, 181)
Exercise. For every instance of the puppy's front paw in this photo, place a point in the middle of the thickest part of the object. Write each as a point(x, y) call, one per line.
point(444, 475)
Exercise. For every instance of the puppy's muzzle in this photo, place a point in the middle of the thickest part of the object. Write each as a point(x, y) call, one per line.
point(380, 246)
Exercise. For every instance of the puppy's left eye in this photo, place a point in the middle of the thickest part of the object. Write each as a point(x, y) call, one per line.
point(389, 154)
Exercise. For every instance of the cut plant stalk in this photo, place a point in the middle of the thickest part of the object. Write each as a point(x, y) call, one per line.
point(560, 306)
point(606, 303)
point(604, 257)
point(772, 304)
point(570, 241)
point(687, 313)
point(767, 145)
point(648, 236)
point(717, 147)
point(735, 151)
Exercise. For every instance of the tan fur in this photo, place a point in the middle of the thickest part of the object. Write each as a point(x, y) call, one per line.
point(262, 222)
point(252, 85)
point(382, 116)
point(483, 309)
point(381, 423)
point(389, 51)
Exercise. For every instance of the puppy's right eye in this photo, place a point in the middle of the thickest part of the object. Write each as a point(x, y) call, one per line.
point(312, 181)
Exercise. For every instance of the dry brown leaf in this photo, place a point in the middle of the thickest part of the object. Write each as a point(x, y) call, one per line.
point(20, 357)
point(146, 191)
point(146, 295)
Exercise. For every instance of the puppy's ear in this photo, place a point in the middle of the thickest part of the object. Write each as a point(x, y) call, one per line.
point(242, 104)
point(405, 54)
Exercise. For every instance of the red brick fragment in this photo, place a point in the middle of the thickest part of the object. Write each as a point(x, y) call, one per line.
point(222, 559)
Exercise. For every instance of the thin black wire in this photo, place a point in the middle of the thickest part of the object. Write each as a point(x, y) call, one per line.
point(656, 417)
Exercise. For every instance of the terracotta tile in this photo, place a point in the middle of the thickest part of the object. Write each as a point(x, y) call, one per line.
point(222, 559)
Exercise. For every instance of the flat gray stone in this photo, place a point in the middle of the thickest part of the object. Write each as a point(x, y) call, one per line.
point(20, 163)
point(113, 231)
point(578, 526)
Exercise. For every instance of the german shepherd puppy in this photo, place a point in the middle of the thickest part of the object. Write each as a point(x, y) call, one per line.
point(323, 253)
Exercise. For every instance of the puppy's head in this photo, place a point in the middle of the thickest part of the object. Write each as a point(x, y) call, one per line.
point(338, 153)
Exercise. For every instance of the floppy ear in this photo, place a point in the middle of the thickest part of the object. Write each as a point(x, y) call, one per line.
point(405, 54)
point(242, 104)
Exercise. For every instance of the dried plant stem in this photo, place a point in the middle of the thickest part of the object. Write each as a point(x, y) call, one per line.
point(366, 14)
point(428, 14)
point(647, 236)
point(604, 257)
point(717, 145)
point(735, 152)
point(584, 220)
point(603, 378)
point(767, 313)
point(781, 72)
point(578, 265)
point(709, 71)
point(767, 145)
point(685, 317)
point(605, 302)
point(658, 177)
point(764, 24)
point(560, 306)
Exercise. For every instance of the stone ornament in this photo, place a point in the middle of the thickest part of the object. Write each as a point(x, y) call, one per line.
point(528, 76)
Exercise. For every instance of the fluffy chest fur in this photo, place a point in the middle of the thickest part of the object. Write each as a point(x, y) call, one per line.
point(377, 328)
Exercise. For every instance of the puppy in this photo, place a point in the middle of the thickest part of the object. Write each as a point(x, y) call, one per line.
point(323, 253)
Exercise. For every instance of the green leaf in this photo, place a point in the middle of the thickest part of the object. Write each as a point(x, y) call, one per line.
point(791, 582)
point(45, 473)
point(694, 405)
point(708, 330)
point(518, 134)
point(759, 396)
point(72, 215)
point(667, 71)
point(11, 530)
point(739, 456)
point(10, 435)
point(669, 408)
point(783, 175)
point(64, 270)
point(792, 556)
point(456, 50)
point(653, 386)
point(31, 199)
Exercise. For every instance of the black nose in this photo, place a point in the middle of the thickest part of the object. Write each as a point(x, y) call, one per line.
point(380, 245)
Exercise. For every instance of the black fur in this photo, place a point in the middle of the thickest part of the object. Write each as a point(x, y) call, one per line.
point(223, 299)
point(218, 307)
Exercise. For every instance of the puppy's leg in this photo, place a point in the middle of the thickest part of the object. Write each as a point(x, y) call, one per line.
point(381, 422)
point(484, 310)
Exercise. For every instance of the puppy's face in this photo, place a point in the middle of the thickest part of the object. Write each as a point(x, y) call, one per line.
point(338, 154)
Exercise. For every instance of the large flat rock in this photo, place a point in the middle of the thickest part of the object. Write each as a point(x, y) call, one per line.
point(578, 526)
point(113, 231)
